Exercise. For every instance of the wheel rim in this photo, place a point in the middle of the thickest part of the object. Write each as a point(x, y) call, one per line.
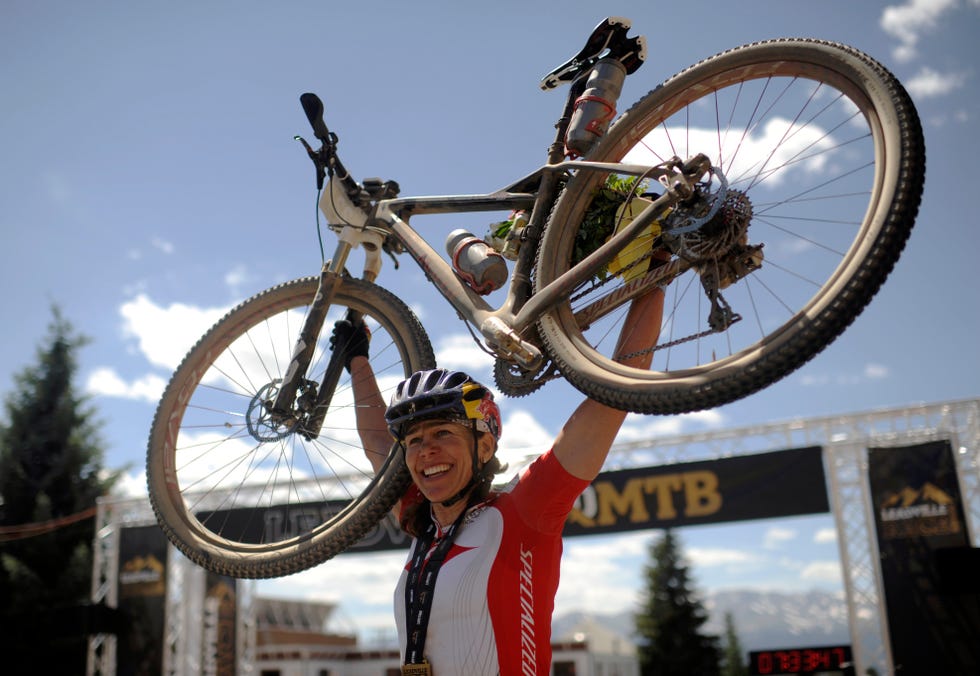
point(806, 152)
point(227, 461)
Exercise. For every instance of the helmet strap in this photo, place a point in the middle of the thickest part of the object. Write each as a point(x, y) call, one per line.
point(475, 479)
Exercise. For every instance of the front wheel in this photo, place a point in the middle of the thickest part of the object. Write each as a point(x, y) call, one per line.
point(823, 155)
point(243, 495)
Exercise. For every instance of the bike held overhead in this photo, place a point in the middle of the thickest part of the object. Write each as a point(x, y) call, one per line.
point(766, 191)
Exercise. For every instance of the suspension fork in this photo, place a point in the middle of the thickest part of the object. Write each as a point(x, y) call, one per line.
point(282, 408)
point(335, 367)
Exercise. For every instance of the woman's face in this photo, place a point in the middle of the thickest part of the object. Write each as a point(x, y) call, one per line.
point(439, 458)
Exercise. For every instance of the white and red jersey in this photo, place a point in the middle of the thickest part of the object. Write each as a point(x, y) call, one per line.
point(495, 592)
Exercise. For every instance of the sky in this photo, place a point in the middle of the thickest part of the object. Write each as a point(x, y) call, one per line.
point(149, 181)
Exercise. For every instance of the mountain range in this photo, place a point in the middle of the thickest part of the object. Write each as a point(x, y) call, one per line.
point(763, 619)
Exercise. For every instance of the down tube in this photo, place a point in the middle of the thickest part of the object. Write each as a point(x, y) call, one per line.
point(466, 301)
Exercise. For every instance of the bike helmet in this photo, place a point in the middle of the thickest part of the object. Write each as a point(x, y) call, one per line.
point(442, 394)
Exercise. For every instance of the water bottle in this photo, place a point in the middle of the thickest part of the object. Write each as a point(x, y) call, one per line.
point(482, 268)
point(596, 107)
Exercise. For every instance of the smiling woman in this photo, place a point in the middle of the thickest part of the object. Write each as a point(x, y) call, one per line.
point(442, 458)
point(471, 544)
point(448, 426)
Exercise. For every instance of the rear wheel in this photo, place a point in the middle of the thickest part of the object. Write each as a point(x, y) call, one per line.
point(824, 159)
point(243, 495)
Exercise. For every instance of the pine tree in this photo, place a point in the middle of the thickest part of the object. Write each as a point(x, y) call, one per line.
point(670, 619)
point(734, 657)
point(50, 474)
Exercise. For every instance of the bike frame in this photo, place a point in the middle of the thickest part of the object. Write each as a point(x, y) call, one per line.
point(501, 326)
point(504, 328)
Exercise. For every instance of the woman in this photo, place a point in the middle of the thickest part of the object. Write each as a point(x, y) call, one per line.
point(477, 592)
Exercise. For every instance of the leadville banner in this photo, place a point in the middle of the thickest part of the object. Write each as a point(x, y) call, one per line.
point(933, 629)
point(142, 597)
point(761, 486)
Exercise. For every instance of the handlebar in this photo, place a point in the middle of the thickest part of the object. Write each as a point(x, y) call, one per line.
point(328, 163)
point(313, 107)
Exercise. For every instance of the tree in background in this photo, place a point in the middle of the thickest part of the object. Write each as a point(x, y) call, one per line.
point(50, 477)
point(670, 618)
point(734, 658)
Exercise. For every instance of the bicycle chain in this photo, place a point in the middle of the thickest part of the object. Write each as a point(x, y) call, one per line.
point(732, 318)
point(673, 343)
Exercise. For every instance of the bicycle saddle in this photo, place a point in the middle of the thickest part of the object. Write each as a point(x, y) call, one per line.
point(608, 40)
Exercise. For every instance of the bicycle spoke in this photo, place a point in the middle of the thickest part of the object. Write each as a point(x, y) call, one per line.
point(233, 458)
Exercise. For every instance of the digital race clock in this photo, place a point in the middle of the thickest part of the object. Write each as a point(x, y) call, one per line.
point(800, 660)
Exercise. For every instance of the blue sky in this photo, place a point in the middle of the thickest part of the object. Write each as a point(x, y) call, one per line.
point(149, 181)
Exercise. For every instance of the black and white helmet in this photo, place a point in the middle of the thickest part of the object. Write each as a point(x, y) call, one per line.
point(442, 394)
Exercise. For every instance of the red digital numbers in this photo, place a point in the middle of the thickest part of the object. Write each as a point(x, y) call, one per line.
point(798, 660)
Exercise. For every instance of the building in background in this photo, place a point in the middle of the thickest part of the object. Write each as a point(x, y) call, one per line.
point(292, 638)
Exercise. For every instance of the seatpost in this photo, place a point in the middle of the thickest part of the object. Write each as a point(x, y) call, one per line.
point(556, 153)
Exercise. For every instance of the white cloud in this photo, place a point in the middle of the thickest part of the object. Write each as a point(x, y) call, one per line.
point(522, 436)
point(825, 535)
point(460, 351)
point(875, 371)
point(822, 571)
point(716, 556)
point(162, 245)
point(363, 584)
point(909, 21)
point(639, 427)
point(871, 371)
point(418, 309)
point(943, 117)
point(106, 382)
point(131, 486)
point(165, 334)
point(775, 536)
point(814, 380)
point(754, 151)
point(601, 575)
point(928, 83)
point(236, 278)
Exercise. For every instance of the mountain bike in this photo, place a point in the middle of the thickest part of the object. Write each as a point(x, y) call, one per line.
point(769, 190)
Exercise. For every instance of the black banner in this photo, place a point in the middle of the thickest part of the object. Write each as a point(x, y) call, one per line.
point(142, 600)
point(762, 486)
point(933, 626)
point(281, 522)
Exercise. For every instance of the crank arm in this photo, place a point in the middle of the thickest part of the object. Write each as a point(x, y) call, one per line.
point(505, 341)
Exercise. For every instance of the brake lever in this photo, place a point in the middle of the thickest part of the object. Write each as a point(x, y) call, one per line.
point(321, 170)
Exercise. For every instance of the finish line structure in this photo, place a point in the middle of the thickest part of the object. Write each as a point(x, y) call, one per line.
point(196, 625)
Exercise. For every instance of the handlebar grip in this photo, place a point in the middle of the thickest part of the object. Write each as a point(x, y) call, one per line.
point(313, 107)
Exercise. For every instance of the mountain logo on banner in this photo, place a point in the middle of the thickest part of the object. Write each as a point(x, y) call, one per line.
point(919, 512)
point(142, 576)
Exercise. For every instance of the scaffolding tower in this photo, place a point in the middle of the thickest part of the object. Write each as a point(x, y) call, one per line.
point(845, 440)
